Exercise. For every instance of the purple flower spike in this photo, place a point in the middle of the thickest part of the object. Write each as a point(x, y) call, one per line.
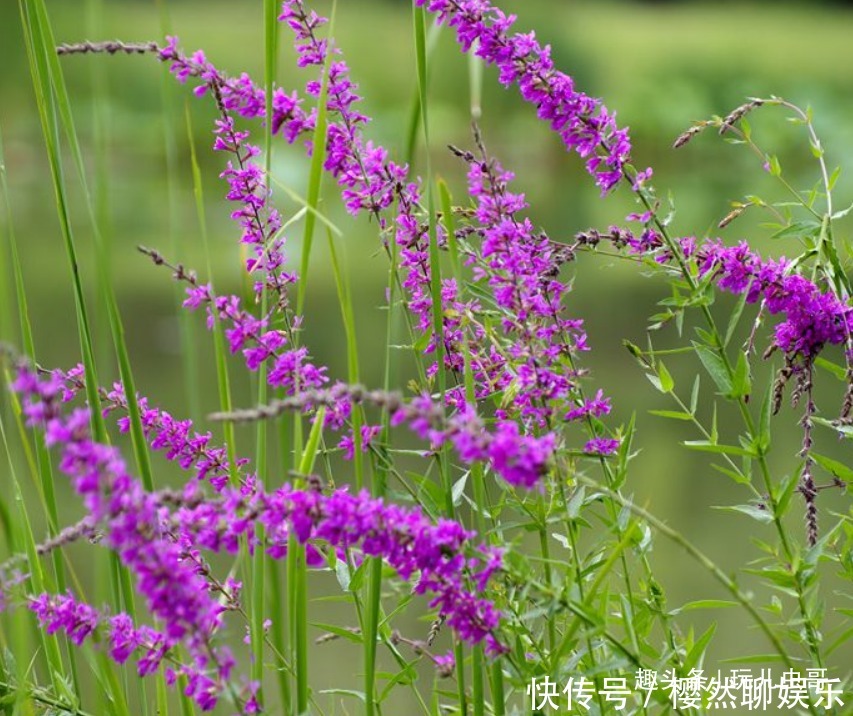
point(407, 540)
point(584, 124)
point(812, 318)
point(370, 183)
point(78, 620)
point(63, 613)
point(601, 446)
point(129, 516)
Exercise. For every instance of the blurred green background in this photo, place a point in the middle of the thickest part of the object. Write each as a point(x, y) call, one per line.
point(661, 66)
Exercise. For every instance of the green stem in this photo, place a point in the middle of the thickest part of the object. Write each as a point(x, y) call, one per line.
point(727, 582)
point(746, 416)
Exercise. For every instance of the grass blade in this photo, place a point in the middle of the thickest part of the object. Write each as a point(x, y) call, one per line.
point(299, 581)
point(315, 177)
point(437, 307)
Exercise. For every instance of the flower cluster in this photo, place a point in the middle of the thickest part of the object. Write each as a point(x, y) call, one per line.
point(131, 521)
point(260, 222)
point(162, 546)
point(370, 182)
point(431, 554)
point(163, 432)
point(584, 124)
point(529, 367)
point(812, 318)
point(78, 620)
point(515, 258)
point(499, 343)
point(364, 171)
point(180, 443)
point(520, 459)
point(521, 267)
point(63, 612)
point(240, 95)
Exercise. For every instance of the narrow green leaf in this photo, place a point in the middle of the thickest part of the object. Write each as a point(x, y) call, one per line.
point(834, 467)
point(41, 54)
point(450, 228)
point(697, 652)
point(714, 434)
point(753, 659)
point(309, 456)
point(672, 414)
point(785, 490)
point(843, 639)
point(706, 446)
point(37, 579)
point(708, 604)
point(833, 178)
point(694, 395)
point(834, 369)
point(843, 430)
point(435, 291)
point(414, 124)
point(797, 229)
point(315, 180)
point(575, 503)
point(459, 488)
point(348, 316)
point(716, 368)
point(655, 381)
point(338, 631)
point(345, 692)
point(741, 380)
point(736, 475)
point(757, 513)
point(666, 381)
point(764, 434)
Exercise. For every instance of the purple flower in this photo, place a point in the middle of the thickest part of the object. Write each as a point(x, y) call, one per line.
point(584, 124)
point(445, 663)
point(371, 183)
point(520, 460)
point(162, 548)
point(368, 434)
point(129, 517)
point(601, 446)
point(431, 554)
point(64, 613)
point(293, 372)
point(124, 638)
point(812, 317)
point(190, 449)
point(597, 407)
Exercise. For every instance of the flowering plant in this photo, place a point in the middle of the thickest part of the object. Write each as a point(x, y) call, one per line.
point(512, 525)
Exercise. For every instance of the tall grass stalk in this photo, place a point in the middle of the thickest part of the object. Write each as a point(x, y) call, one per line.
point(172, 124)
point(438, 319)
